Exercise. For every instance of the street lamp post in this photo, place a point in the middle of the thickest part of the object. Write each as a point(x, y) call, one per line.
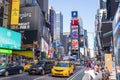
point(33, 49)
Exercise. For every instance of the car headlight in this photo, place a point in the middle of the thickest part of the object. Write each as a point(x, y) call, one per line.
point(40, 68)
point(2, 70)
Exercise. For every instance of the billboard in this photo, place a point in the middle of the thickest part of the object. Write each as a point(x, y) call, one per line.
point(81, 39)
point(15, 12)
point(28, 36)
point(45, 46)
point(108, 61)
point(74, 14)
point(5, 51)
point(74, 33)
point(29, 18)
point(10, 39)
point(75, 22)
point(74, 44)
point(76, 26)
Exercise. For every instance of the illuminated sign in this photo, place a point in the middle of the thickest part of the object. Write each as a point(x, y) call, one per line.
point(75, 26)
point(74, 14)
point(5, 51)
point(74, 33)
point(81, 41)
point(74, 22)
point(25, 24)
point(15, 12)
point(74, 44)
point(9, 39)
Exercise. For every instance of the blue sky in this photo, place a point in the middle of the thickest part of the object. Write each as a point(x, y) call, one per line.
point(87, 9)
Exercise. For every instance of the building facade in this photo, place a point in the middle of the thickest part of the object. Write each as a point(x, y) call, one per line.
point(52, 20)
point(59, 26)
point(104, 28)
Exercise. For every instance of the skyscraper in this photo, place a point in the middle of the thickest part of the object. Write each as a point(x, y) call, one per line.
point(102, 4)
point(59, 26)
point(52, 20)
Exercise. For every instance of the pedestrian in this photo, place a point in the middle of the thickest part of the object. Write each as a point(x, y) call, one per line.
point(98, 73)
point(87, 77)
point(93, 64)
point(89, 63)
point(89, 74)
point(106, 74)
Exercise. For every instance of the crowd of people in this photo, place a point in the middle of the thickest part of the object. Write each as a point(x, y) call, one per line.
point(95, 70)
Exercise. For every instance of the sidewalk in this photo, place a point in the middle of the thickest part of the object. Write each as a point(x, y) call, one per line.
point(112, 75)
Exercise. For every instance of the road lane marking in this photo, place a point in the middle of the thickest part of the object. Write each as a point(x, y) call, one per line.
point(41, 77)
point(74, 75)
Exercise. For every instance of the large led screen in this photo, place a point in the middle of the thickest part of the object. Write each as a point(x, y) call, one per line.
point(10, 39)
point(74, 44)
point(74, 33)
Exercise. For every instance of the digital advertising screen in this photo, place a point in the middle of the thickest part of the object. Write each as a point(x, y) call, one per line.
point(74, 33)
point(74, 44)
point(10, 39)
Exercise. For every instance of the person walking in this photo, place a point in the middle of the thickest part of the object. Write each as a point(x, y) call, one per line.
point(92, 74)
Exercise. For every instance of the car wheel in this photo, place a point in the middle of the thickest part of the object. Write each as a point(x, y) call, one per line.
point(20, 71)
point(68, 74)
point(6, 73)
point(43, 72)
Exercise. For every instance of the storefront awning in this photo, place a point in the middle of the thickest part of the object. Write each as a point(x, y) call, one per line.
point(28, 54)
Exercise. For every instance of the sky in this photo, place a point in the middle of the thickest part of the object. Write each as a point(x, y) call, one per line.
point(86, 10)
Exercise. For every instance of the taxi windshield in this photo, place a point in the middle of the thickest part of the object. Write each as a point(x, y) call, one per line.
point(60, 64)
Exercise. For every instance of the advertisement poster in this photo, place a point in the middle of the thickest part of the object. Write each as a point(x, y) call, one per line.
point(29, 18)
point(75, 22)
point(74, 33)
point(108, 61)
point(15, 12)
point(75, 44)
point(10, 39)
point(45, 46)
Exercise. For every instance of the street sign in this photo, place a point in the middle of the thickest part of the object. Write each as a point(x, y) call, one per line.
point(5, 51)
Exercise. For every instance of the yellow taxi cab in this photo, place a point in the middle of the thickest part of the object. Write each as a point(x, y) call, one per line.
point(77, 63)
point(62, 68)
point(27, 66)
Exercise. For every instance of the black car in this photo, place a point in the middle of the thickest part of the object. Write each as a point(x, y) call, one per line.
point(10, 69)
point(42, 67)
